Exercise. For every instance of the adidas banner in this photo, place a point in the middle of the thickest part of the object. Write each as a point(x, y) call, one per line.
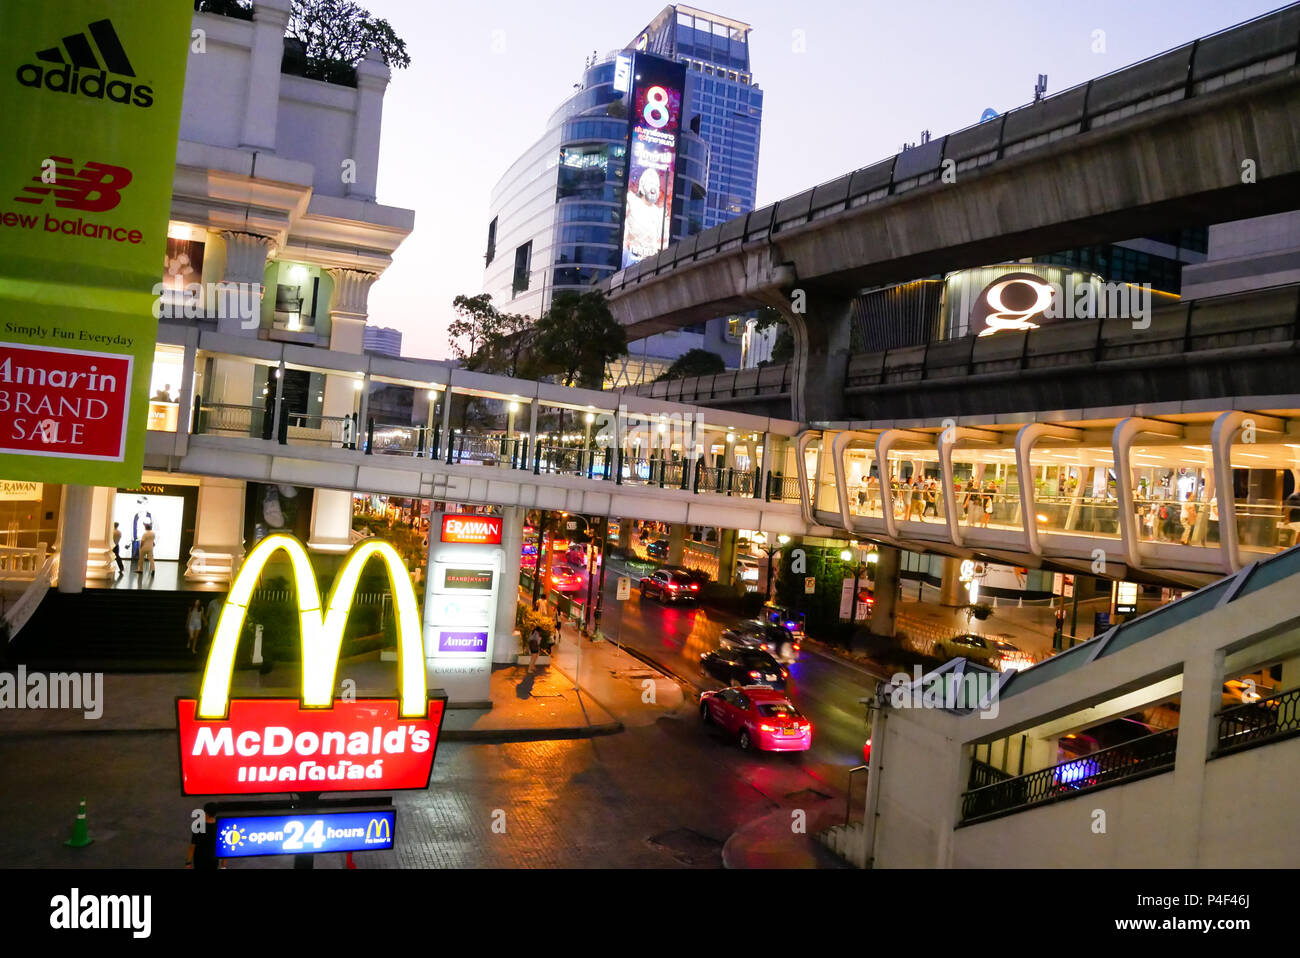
point(91, 95)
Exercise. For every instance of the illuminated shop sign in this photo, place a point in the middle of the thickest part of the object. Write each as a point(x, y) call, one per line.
point(318, 743)
point(1011, 302)
point(244, 836)
point(653, 124)
point(1126, 599)
point(473, 579)
point(472, 530)
point(462, 641)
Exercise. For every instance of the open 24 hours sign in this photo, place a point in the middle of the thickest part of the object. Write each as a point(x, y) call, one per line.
point(90, 92)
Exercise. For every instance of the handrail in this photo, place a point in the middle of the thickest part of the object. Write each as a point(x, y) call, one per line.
point(18, 614)
point(1108, 766)
point(1253, 723)
point(848, 798)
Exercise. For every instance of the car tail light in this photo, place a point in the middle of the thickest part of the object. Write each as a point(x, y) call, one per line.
point(672, 586)
point(694, 587)
point(754, 675)
point(555, 578)
point(796, 646)
point(767, 728)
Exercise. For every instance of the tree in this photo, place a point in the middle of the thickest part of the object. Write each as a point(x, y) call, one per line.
point(488, 340)
point(341, 32)
point(783, 348)
point(694, 362)
point(577, 337)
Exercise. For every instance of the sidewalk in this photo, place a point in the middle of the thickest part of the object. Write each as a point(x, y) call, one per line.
point(545, 705)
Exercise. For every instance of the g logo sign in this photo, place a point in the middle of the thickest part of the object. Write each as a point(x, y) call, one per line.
point(1009, 302)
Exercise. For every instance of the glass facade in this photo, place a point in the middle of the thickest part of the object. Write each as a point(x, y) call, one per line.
point(720, 89)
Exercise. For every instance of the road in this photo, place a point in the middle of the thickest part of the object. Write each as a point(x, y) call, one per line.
point(824, 689)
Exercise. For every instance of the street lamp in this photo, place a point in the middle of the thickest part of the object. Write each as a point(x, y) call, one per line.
point(770, 550)
point(846, 555)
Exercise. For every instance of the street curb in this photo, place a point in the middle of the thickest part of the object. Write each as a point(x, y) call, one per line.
point(847, 663)
point(661, 668)
point(498, 736)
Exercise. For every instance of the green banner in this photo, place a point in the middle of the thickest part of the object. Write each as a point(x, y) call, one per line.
point(90, 93)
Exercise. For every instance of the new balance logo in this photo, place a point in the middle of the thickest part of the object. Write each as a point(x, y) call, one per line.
point(77, 54)
point(96, 188)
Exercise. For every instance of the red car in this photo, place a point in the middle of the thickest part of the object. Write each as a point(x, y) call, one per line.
point(565, 579)
point(759, 717)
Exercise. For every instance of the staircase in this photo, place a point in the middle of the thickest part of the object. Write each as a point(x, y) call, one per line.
point(112, 631)
point(847, 841)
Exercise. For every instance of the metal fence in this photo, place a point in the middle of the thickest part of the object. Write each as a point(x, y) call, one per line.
point(1109, 766)
point(1254, 723)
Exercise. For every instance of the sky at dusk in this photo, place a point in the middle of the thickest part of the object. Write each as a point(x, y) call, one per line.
point(485, 76)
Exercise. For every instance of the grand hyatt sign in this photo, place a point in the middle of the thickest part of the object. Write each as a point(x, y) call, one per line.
point(317, 743)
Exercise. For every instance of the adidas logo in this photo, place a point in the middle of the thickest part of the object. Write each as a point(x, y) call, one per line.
point(78, 70)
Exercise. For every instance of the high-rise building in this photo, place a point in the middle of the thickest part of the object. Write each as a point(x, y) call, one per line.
point(382, 341)
point(722, 91)
point(557, 215)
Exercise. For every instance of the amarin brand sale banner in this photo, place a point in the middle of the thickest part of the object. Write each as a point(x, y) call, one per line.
point(90, 92)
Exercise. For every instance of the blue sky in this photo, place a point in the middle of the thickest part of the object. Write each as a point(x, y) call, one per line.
point(486, 75)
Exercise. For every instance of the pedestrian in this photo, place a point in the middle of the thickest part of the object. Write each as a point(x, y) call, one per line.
point(986, 505)
point(931, 499)
point(917, 502)
point(117, 544)
point(559, 631)
point(534, 646)
point(146, 550)
point(194, 624)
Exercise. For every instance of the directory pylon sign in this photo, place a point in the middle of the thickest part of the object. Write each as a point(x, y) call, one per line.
point(90, 92)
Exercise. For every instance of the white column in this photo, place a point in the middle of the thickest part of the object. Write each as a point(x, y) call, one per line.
point(262, 101)
point(348, 308)
point(504, 647)
point(372, 80)
point(241, 288)
point(99, 562)
point(331, 521)
point(219, 528)
point(74, 537)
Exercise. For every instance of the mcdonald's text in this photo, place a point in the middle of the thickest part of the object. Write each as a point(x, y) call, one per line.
point(269, 746)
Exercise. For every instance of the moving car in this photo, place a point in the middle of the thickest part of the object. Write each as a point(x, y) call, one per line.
point(776, 639)
point(976, 648)
point(759, 717)
point(657, 549)
point(743, 666)
point(787, 618)
point(565, 578)
point(1009, 656)
point(670, 587)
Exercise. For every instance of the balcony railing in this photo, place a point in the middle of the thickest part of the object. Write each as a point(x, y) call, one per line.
point(1254, 723)
point(593, 462)
point(1110, 766)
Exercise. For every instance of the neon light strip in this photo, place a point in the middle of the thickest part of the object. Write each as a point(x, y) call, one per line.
point(322, 635)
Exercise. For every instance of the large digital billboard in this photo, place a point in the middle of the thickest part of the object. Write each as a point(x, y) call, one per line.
point(653, 124)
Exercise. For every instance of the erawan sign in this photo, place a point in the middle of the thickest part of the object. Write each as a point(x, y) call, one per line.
point(318, 743)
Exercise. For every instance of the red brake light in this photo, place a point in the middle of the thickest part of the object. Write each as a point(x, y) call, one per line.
point(767, 728)
point(694, 587)
point(754, 675)
point(672, 586)
point(796, 646)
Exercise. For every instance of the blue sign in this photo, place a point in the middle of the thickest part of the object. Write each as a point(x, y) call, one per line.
point(242, 836)
point(988, 114)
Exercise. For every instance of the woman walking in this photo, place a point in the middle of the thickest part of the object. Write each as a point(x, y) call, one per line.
point(194, 624)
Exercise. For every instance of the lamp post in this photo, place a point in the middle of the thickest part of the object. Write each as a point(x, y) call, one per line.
point(770, 550)
point(860, 566)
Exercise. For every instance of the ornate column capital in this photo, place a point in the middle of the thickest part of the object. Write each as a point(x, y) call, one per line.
point(246, 256)
point(351, 292)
